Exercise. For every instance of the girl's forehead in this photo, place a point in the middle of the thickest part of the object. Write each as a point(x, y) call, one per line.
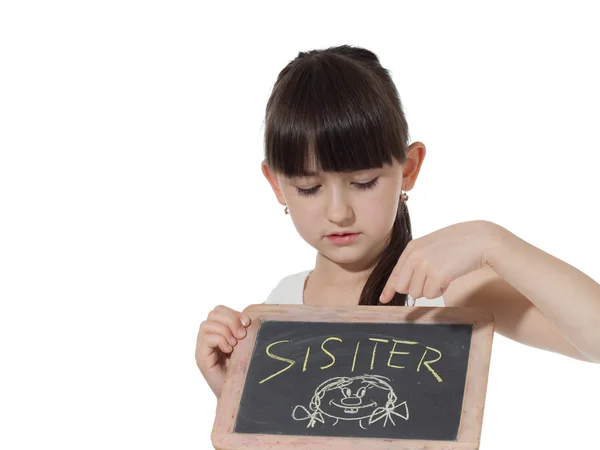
point(312, 166)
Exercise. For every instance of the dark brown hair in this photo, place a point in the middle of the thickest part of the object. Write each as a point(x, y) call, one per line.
point(340, 108)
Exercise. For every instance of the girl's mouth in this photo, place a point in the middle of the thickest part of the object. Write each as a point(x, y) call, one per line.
point(341, 239)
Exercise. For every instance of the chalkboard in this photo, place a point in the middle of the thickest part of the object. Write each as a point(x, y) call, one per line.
point(376, 373)
point(350, 379)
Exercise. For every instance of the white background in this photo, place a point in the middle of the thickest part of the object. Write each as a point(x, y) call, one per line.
point(132, 202)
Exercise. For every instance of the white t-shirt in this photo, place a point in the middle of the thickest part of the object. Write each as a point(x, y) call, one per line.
point(290, 291)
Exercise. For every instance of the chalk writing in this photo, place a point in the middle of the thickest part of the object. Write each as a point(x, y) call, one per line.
point(434, 355)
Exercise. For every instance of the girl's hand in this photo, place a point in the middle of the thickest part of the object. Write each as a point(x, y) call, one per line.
point(429, 264)
point(217, 337)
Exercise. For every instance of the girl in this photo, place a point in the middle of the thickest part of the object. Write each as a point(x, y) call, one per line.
point(337, 157)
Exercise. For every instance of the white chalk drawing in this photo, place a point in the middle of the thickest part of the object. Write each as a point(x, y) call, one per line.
point(353, 399)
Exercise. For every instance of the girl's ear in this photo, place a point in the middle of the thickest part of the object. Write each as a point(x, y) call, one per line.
point(273, 181)
point(412, 166)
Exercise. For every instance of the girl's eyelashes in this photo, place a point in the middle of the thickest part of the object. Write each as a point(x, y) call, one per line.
point(362, 186)
point(368, 184)
point(310, 191)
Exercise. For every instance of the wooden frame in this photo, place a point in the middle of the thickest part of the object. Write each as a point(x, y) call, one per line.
point(224, 438)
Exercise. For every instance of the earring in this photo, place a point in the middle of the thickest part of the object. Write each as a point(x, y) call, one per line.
point(404, 197)
point(286, 210)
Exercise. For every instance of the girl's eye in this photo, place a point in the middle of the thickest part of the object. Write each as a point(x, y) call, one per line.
point(361, 392)
point(368, 184)
point(310, 191)
point(363, 186)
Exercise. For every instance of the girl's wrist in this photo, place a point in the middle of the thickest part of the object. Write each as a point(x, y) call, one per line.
point(498, 240)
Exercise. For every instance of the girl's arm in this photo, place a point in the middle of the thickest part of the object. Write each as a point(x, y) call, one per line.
point(536, 298)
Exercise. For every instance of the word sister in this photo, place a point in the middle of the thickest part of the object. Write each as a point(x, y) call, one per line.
point(391, 348)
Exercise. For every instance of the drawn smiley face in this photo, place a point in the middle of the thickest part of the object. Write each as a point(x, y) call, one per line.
point(349, 399)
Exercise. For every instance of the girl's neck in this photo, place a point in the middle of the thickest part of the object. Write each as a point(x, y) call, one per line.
point(332, 284)
point(334, 275)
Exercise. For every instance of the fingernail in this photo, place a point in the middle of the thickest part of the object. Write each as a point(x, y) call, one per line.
point(229, 349)
point(245, 321)
point(232, 340)
point(241, 332)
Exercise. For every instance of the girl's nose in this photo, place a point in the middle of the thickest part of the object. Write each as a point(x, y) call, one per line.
point(339, 211)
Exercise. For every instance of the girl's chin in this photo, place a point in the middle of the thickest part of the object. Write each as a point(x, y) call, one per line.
point(343, 256)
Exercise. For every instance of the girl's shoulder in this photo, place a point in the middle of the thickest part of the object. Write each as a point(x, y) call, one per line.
point(290, 290)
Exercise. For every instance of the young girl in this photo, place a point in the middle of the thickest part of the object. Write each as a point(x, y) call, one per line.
point(337, 156)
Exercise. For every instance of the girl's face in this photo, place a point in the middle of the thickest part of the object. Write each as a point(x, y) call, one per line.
point(363, 203)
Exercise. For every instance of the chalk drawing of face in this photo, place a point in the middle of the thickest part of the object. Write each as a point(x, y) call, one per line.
point(366, 397)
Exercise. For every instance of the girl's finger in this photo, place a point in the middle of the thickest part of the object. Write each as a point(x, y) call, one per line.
point(394, 280)
point(245, 320)
point(229, 318)
point(399, 284)
point(211, 342)
point(405, 279)
point(212, 327)
point(435, 285)
point(417, 282)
